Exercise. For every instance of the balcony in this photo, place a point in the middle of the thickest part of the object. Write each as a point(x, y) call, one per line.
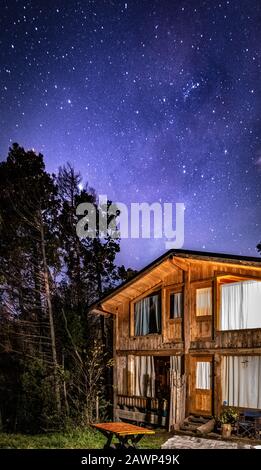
point(246, 339)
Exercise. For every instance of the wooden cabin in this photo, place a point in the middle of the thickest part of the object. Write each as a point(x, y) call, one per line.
point(187, 338)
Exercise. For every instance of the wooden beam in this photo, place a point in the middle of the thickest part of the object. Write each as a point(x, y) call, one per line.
point(227, 351)
point(174, 266)
point(187, 336)
point(226, 262)
point(236, 277)
point(148, 291)
point(111, 303)
point(217, 384)
point(217, 306)
point(206, 280)
point(174, 286)
point(153, 278)
point(180, 263)
point(98, 311)
point(123, 296)
point(150, 352)
point(114, 369)
point(134, 289)
point(141, 285)
point(164, 323)
point(187, 308)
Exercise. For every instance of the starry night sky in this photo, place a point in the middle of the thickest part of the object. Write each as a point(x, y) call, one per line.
point(152, 100)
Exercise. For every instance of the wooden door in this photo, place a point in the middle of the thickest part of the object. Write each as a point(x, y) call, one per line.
point(201, 385)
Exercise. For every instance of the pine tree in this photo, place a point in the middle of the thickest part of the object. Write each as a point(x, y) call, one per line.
point(29, 256)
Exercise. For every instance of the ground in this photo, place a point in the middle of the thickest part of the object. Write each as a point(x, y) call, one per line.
point(92, 439)
point(77, 439)
point(188, 442)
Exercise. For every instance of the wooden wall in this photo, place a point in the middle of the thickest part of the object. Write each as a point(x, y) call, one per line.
point(192, 336)
point(202, 331)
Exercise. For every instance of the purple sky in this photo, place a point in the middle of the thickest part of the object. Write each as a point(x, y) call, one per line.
point(152, 100)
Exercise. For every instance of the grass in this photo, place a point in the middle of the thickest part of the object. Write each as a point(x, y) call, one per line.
point(76, 439)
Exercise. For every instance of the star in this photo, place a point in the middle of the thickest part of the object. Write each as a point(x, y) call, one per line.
point(148, 100)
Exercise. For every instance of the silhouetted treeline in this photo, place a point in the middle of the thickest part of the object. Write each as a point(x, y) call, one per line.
point(55, 358)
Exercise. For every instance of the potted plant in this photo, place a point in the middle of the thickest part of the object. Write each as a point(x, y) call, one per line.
point(227, 419)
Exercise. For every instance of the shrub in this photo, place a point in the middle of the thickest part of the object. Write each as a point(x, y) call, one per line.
point(229, 415)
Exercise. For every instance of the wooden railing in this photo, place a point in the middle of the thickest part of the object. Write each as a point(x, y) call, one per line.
point(141, 402)
point(238, 339)
point(142, 409)
point(149, 342)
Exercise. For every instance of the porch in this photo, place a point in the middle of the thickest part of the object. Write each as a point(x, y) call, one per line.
point(150, 390)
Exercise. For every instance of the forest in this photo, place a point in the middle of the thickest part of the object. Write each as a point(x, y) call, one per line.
point(55, 358)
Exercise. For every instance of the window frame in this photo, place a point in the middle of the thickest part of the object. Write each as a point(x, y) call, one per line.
point(175, 290)
point(204, 285)
point(210, 375)
point(238, 355)
point(150, 293)
point(218, 286)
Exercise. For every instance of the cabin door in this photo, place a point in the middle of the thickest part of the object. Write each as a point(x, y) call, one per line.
point(201, 385)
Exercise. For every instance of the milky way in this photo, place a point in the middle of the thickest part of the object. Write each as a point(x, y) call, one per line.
point(150, 100)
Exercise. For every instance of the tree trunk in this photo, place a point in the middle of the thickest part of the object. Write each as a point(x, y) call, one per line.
point(102, 319)
point(38, 301)
point(51, 321)
point(65, 394)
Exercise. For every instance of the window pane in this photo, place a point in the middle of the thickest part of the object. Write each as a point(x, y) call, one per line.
point(203, 375)
point(241, 379)
point(241, 305)
point(204, 301)
point(176, 305)
point(147, 316)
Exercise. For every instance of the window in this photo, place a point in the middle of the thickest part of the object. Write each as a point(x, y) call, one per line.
point(241, 305)
point(241, 381)
point(147, 316)
point(203, 375)
point(204, 301)
point(176, 305)
point(143, 376)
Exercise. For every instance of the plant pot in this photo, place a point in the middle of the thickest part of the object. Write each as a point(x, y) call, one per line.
point(226, 430)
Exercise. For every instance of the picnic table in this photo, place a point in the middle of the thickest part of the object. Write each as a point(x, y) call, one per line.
point(124, 432)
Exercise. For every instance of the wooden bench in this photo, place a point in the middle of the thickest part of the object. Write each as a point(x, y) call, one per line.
point(124, 432)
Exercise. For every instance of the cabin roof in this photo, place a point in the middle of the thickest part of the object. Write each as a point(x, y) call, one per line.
point(174, 258)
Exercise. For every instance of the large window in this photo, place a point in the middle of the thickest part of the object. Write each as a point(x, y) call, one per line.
point(240, 305)
point(176, 305)
point(204, 302)
point(147, 316)
point(241, 381)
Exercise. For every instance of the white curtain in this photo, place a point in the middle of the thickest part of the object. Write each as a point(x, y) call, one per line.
point(176, 305)
point(241, 381)
point(204, 301)
point(241, 305)
point(147, 316)
point(177, 393)
point(203, 375)
point(144, 376)
point(142, 317)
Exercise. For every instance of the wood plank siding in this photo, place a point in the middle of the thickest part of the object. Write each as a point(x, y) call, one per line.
point(191, 335)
